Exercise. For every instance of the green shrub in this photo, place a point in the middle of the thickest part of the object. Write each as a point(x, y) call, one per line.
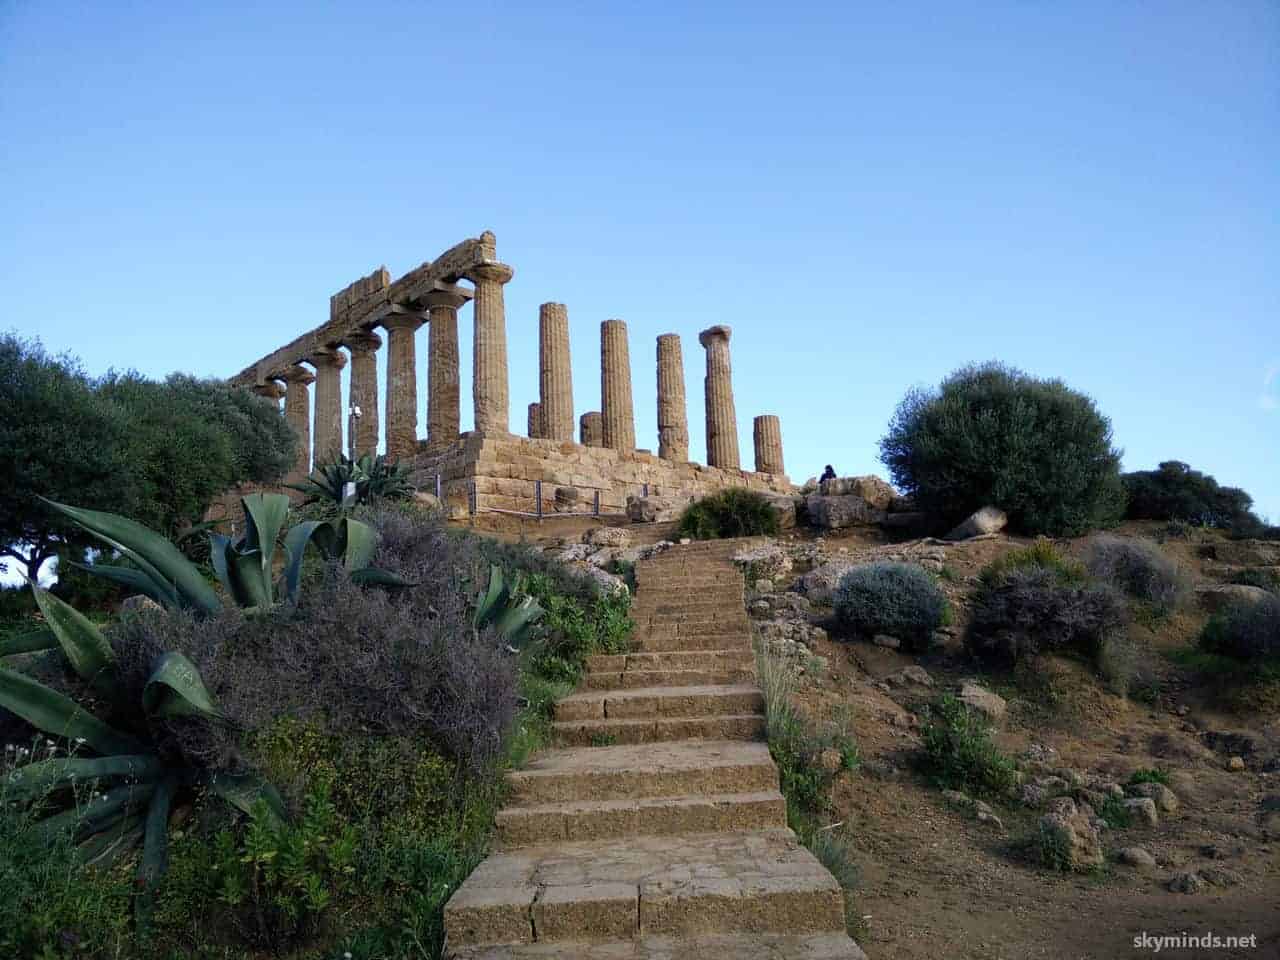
point(1245, 630)
point(1259, 577)
point(1115, 813)
point(371, 478)
point(1150, 775)
point(992, 435)
point(898, 599)
point(959, 753)
point(1139, 569)
point(1035, 600)
point(732, 512)
point(1175, 492)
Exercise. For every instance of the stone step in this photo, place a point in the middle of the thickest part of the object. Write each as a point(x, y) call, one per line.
point(674, 628)
point(672, 660)
point(632, 679)
point(702, 621)
point(644, 607)
point(665, 642)
point(679, 768)
point(725, 946)
point(665, 702)
point(648, 817)
point(608, 733)
point(688, 885)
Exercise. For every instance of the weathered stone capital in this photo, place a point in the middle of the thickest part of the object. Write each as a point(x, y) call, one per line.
point(401, 321)
point(296, 374)
point(270, 389)
point(499, 272)
point(718, 332)
point(444, 298)
point(327, 358)
point(365, 341)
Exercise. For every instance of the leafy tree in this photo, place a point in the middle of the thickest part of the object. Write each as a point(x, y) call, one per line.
point(62, 441)
point(991, 434)
point(1173, 491)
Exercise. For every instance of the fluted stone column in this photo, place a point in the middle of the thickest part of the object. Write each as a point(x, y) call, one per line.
point(722, 419)
point(591, 427)
point(364, 390)
point(535, 421)
point(768, 440)
point(328, 413)
point(444, 400)
point(402, 385)
point(555, 380)
point(617, 412)
point(297, 412)
point(489, 383)
point(673, 421)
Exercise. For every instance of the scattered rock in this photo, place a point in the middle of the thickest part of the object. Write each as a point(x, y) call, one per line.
point(138, 604)
point(916, 674)
point(428, 501)
point(835, 513)
point(1137, 857)
point(785, 506)
point(876, 492)
point(1235, 764)
point(830, 760)
point(607, 582)
point(574, 553)
point(1166, 800)
point(760, 608)
point(884, 640)
point(1071, 837)
point(1220, 876)
point(1143, 810)
point(763, 586)
point(769, 561)
point(654, 509)
point(1219, 595)
point(985, 521)
point(819, 584)
point(607, 537)
point(1186, 882)
point(979, 698)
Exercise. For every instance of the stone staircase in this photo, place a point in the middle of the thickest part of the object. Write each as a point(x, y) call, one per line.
point(656, 829)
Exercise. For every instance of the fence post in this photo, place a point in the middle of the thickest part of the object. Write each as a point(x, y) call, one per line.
point(439, 488)
point(537, 492)
point(595, 505)
point(471, 497)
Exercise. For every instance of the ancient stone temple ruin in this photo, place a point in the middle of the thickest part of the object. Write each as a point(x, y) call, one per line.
point(491, 468)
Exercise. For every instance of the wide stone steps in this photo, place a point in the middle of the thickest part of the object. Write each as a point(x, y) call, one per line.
point(654, 642)
point(680, 768)
point(682, 886)
point(607, 733)
point(751, 946)
point(683, 606)
point(703, 701)
point(630, 679)
point(649, 816)
point(672, 660)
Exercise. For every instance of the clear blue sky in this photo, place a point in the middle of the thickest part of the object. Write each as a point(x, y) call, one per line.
point(869, 194)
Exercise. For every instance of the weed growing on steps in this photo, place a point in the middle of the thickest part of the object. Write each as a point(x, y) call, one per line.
point(809, 760)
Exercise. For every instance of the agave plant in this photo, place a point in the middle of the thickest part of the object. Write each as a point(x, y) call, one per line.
point(346, 482)
point(132, 783)
point(506, 607)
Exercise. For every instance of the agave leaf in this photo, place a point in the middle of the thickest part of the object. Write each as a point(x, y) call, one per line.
point(155, 844)
point(488, 603)
point(61, 716)
point(155, 555)
point(36, 779)
point(175, 689)
point(250, 583)
point(162, 592)
point(219, 547)
point(242, 791)
point(97, 815)
point(361, 540)
point(107, 846)
point(374, 577)
point(265, 514)
point(295, 547)
point(513, 624)
point(85, 647)
point(30, 641)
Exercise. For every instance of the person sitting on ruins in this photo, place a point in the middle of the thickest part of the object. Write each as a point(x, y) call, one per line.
point(828, 474)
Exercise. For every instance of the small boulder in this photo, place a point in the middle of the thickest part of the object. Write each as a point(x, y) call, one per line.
point(1216, 597)
point(138, 604)
point(916, 674)
point(1186, 882)
point(768, 560)
point(1166, 800)
point(763, 586)
point(607, 537)
point(606, 582)
point(830, 760)
point(835, 513)
point(428, 501)
point(1143, 810)
point(574, 553)
point(784, 505)
point(819, 584)
point(1071, 840)
point(979, 698)
point(876, 492)
point(1136, 857)
point(1235, 764)
point(653, 509)
point(985, 521)
point(1220, 876)
point(884, 640)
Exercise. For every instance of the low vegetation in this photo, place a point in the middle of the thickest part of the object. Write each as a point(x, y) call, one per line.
point(991, 434)
point(1246, 630)
point(733, 512)
point(897, 599)
point(1138, 568)
point(959, 753)
point(1177, 493)
point(346, 483)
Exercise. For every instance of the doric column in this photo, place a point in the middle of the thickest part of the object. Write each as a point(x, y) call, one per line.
point(297, 412)
point(402, 385)
point(768, 438)
point(444, 400)
point(555, 380)
point(270, 389)
point(616, 411)
point(328, 430)
point(489, 381)
point(673, 422)
point(591, 429)
point(364, 390)
point(535, 421)
point(722, 419)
